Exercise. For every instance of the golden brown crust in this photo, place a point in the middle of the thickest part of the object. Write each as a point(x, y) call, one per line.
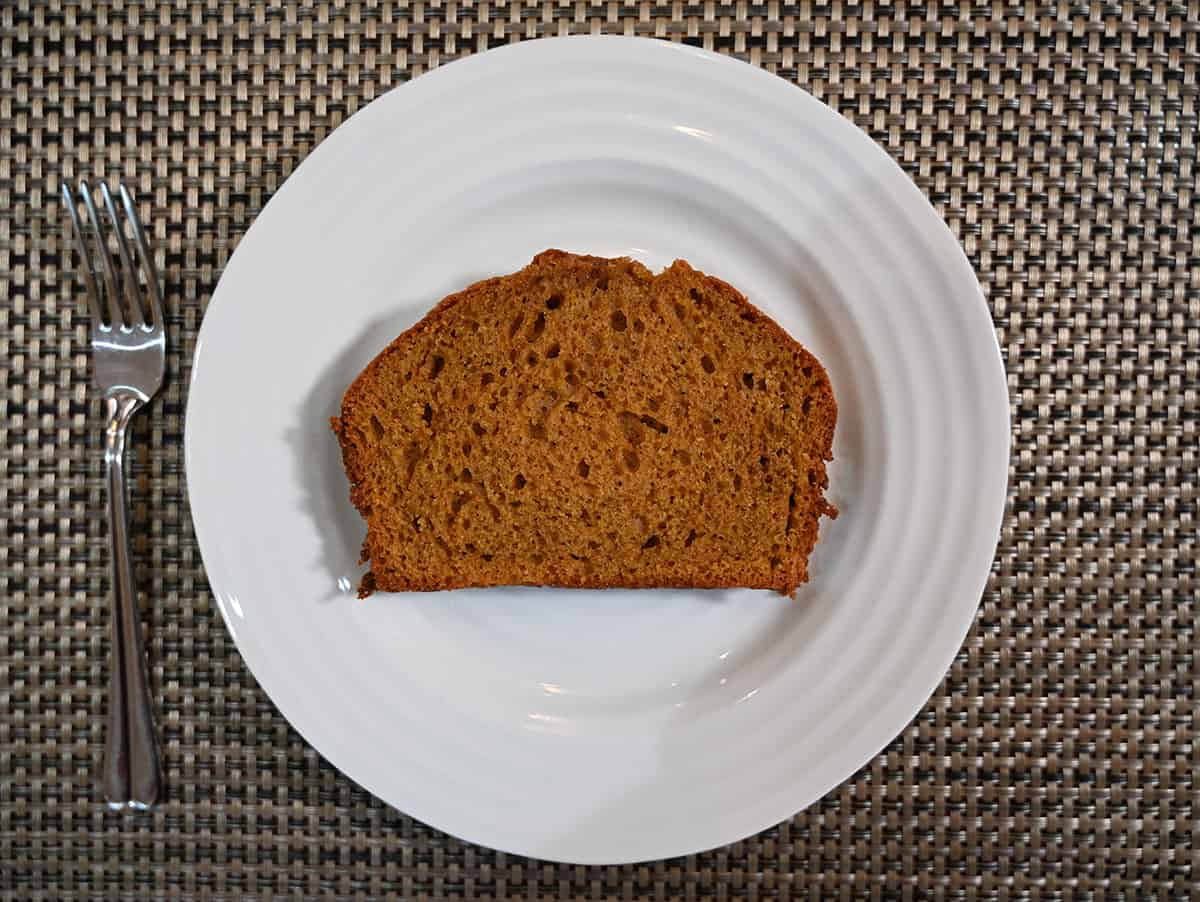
point(389, 455)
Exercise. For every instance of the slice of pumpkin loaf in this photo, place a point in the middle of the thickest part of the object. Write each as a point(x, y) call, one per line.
point(586, 423)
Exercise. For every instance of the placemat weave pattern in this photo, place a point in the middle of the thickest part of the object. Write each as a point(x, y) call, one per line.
point(1059, 757)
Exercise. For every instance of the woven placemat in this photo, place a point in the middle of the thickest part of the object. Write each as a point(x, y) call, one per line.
point(1059, 756)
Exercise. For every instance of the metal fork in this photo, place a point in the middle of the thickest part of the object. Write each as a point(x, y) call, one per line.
point(128, 356)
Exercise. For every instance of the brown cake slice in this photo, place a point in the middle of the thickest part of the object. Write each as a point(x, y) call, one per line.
point(586, 423)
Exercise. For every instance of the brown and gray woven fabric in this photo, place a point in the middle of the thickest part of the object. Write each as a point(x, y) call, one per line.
point(1059, 757)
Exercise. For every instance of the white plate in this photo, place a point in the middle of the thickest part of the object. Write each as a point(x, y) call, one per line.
point(601, 726)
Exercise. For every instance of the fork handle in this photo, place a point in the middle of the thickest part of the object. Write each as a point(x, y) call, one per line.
point(131, 767)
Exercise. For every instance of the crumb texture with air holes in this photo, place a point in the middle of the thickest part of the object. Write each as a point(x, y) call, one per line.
point(587, 423)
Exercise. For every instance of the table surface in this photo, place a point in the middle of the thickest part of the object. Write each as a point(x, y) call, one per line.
point(1058, 757)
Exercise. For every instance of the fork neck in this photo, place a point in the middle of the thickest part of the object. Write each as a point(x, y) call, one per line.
point(119, 408)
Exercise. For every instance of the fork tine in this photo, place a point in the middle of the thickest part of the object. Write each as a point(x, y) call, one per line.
point(129, 279)
point(85, 263)
point(139, 237)
point(113, 301)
